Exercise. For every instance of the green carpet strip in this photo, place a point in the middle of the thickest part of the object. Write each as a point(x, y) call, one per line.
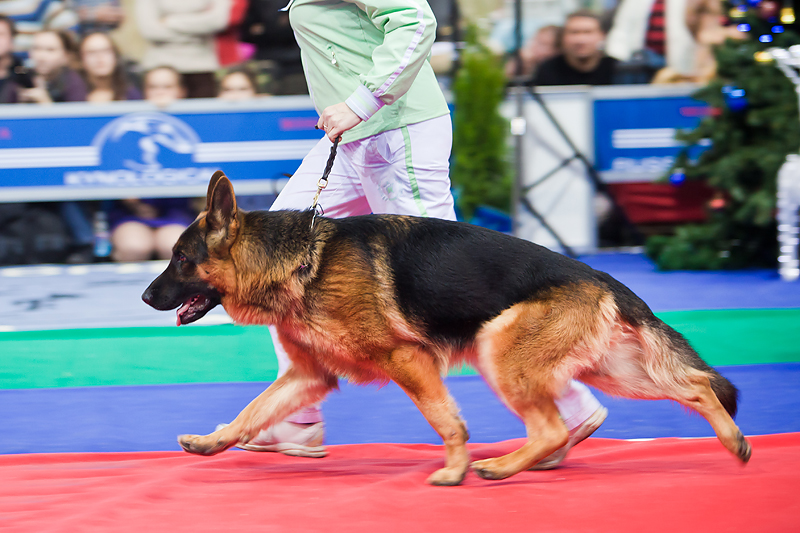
point(136, 356)
point(210, 354)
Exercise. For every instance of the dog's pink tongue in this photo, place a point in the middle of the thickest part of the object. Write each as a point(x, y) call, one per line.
point(182, 310)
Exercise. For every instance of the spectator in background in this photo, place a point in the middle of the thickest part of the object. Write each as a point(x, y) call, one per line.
point(53, 53)
point(655, 30)
point(181, 34)
point(535, 14)
point(163, 85)
point(104, 70)
point(107, 80)
point(582, 60)
point(141, 229)
point(237, 85)
point(12, 73)
point(544, 45)
point(97, 15)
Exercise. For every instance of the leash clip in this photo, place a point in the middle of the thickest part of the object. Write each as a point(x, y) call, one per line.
point(323, 182)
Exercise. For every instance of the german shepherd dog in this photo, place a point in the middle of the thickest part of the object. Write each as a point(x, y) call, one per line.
point(384, 297)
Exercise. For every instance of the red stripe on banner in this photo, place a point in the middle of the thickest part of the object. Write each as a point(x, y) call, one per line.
point(604, 486)
point(663, 203)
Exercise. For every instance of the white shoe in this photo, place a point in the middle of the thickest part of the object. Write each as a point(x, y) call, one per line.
point(289, 438)
point(576, 436)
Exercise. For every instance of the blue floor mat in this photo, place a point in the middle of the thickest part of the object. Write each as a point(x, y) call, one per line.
point(148, 418)
point(692, 290)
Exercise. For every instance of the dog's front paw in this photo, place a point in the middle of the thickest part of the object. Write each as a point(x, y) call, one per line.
point(447, 477)
point(204, 444)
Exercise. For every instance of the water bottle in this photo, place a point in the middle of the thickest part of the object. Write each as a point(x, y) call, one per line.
point(102, 237)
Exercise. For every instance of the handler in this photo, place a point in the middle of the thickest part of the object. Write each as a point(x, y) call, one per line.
point(368, 74)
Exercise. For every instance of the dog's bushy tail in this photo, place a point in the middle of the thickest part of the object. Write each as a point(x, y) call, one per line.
point(727, 393)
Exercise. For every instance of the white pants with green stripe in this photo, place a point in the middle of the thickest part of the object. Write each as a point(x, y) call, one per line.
point(402, 172)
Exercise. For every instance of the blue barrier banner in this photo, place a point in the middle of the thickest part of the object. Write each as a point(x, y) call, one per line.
point(133, 149)
point(634, 138)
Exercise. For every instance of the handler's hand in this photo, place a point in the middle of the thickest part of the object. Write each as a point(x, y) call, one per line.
point(337, 119)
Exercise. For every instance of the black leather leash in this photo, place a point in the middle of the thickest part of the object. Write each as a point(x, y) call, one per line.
point(323, 182)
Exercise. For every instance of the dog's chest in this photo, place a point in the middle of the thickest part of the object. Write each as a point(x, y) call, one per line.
point(335, 351)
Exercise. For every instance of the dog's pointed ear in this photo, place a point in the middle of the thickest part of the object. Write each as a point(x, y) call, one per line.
point(222, 213)
point(211, 184)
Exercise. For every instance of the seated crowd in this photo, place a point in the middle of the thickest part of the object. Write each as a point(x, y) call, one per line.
point(194, 49)
point(636, 41)
point(58, 67)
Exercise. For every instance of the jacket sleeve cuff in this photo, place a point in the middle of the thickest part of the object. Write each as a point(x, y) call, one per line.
point(364, 103)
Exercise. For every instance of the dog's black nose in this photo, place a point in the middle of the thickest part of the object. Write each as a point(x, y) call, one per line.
point(147, 297)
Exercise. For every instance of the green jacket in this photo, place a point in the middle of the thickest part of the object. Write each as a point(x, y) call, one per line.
point(373, 55)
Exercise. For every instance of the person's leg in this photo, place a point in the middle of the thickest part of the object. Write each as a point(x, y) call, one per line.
point(302, 432)
point(132, 241)
point(165, 239)
point(582, 413)
point(576, 405)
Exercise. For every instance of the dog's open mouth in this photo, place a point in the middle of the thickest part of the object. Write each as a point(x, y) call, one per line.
point(194, 308)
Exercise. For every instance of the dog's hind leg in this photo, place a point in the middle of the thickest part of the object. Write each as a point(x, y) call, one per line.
point(699, 395)
point(286, 395)
point(524, 391)
point(546, 434)
point(517, 353)
point(414, 370)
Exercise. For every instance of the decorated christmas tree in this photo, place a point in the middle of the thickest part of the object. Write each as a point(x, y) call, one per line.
point(753, 126)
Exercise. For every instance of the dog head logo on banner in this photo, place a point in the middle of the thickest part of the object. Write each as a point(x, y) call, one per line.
point(147, 142)
point(147, 148)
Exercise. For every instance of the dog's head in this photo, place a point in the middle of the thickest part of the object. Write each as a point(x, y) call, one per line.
point(187, 284)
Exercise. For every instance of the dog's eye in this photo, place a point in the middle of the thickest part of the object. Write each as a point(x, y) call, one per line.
point(181, 258)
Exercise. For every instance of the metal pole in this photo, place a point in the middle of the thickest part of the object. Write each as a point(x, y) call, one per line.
point(518, 122)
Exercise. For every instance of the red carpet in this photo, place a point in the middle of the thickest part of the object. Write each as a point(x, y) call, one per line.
point(607, 485)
